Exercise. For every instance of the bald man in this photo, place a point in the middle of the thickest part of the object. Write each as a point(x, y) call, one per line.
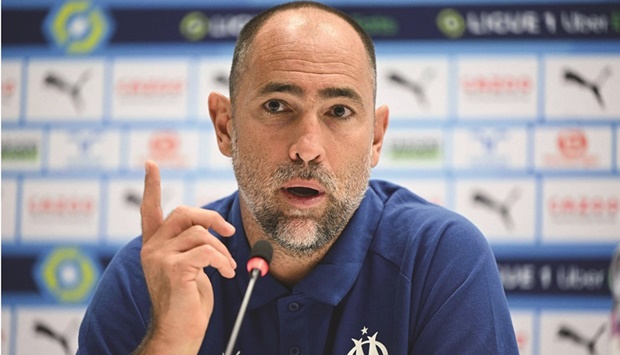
point(359, 267)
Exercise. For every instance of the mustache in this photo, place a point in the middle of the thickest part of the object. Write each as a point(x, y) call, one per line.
point(286, 172)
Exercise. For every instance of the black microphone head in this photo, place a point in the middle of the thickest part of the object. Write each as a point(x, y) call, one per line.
point(262, 249)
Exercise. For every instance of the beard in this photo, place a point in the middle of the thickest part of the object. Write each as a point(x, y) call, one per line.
point(299, 232)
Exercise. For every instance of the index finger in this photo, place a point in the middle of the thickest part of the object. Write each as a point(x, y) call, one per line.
point(150, 209)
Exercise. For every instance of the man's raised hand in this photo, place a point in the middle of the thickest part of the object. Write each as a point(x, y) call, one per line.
point(174, 252)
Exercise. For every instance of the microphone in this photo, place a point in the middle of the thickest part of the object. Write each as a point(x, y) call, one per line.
point(260, 257)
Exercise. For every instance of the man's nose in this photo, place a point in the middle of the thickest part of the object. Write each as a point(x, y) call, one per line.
point(308, 140)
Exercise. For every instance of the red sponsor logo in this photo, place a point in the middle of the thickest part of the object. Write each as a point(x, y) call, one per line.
point(497, 84)
point(573, 144)
point(165, 146)
point(62, 206)
point(150, 86)
point(583, 206)
point(8, 88)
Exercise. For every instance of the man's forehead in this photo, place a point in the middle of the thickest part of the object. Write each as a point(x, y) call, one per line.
point(308, 22)
point(329, 92)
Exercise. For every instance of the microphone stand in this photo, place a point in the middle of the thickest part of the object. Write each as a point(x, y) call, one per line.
point(244, 305)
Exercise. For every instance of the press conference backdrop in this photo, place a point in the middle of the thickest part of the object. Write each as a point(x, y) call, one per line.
point(506, 113)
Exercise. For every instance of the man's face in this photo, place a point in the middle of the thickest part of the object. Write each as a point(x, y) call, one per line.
point(303, 129)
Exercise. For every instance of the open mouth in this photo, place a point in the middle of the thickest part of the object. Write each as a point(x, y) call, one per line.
point(302, 191)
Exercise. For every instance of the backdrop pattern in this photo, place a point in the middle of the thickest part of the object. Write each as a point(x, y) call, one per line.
point(508, 114)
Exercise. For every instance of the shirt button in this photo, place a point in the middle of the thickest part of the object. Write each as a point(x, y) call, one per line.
point(294, 350)
point(293, 307)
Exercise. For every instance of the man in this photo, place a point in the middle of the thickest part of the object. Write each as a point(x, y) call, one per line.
point(357, 267)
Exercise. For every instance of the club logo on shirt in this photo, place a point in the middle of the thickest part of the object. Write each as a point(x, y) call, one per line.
point(375, 347)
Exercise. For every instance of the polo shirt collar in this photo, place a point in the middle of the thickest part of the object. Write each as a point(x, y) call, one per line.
point(333, 277)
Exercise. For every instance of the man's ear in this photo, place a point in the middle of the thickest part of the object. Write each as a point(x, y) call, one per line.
point(381, 124)
point(221, 116)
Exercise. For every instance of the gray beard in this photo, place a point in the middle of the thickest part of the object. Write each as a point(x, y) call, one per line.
point(298, 232)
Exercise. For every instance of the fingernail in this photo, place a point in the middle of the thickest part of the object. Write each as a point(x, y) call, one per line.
point(146, 167)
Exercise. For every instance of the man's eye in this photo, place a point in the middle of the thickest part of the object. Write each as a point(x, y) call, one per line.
point(341, 111)
point(274, 106)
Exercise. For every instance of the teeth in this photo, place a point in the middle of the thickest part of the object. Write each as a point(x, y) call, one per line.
point(302, 191)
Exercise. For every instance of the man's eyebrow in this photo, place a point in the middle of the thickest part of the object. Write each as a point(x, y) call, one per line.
point(335, 92)
point(281, 87)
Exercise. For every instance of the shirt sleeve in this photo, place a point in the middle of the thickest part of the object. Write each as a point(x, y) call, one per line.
point(117, 316)
point(462, 307)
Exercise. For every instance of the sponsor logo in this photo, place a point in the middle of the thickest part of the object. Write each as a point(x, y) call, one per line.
point(572, 149)
point(65, 89)
point(9, 88)
point(196, 26)
point(554, 276)
point(489, 148)
point(503, 209)
point(73, 90)
point(47, 330)
point(576, 22)
point(575, 332)
point(53, 210)
point(72, 207)
point(416, 87)
point(44, 329)
point(573, 144)
point(582, 87)
point(406, 148)
point(583, 208)
point(615, 21)
point(156, 89)
point(68, 274)
point(500, 207)
point(594, 86)
point(567, 333)
point(451, 23)
point(153, 88)
point(503, 23)
point(378, 25)
point(165, 146)
point(20, 149)
point(171, 149)
point(524, 23)
point(83, 148)
point(487, 87)
point(497, 85)
point(78, 26)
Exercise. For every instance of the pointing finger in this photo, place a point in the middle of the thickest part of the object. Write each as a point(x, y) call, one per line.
point(150, 210)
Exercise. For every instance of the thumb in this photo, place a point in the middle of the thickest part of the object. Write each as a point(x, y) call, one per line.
point(150, 210)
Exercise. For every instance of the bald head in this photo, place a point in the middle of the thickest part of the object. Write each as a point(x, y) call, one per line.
point(303, 17)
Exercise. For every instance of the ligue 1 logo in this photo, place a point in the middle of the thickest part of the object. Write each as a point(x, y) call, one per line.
point(77, 26)
point(68, 274)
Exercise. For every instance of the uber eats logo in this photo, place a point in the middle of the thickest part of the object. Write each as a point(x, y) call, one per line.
point(77, 26)
point(68, 274)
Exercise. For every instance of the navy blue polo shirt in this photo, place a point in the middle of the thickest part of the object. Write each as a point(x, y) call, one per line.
point(404, 277)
